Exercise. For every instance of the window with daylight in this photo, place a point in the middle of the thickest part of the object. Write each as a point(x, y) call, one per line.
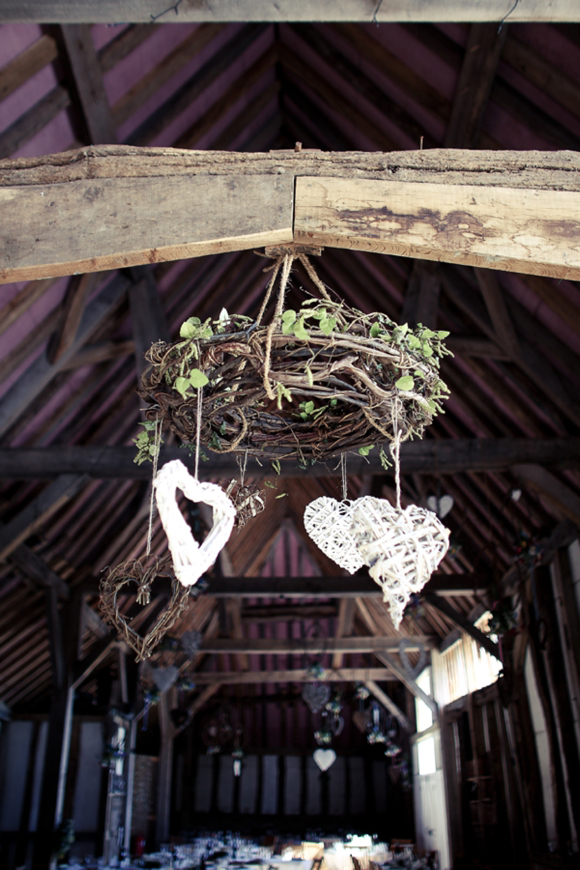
point(467, 667)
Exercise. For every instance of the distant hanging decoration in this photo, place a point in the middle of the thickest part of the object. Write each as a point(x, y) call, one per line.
point(190, 559)
point(311, 384)
point(190, 642)
point(316, 695)
point(328, 523)
point(324, 758)
point(135, 573)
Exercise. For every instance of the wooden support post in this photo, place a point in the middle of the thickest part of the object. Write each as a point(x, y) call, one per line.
point(164, 771)
point(89, 83)
point(64, 651)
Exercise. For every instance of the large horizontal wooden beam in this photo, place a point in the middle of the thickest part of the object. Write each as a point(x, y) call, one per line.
point(297, 675)
point(451, 456)
point(351, 586)
point(107, 11)
point(532, 231)
point(91, 210)
point(299, 646)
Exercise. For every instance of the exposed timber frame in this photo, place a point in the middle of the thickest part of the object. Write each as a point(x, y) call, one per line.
point(505, 210)
point(81, 11)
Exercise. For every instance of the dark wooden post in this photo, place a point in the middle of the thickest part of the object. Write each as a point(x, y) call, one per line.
point(165, 770)
point(64, 629)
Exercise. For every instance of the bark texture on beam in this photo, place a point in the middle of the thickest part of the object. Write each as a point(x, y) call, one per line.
point(497, 209)
point(451, 456)
point(106, 11)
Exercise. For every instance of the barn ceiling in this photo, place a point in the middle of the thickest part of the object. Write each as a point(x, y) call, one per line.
point(71, 348)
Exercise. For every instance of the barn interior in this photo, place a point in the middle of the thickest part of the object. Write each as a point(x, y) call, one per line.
point(459, 730)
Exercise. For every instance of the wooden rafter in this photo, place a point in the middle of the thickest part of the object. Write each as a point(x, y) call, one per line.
point(446, 456)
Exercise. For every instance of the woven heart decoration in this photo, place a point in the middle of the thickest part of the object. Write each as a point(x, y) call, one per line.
point(328, 522)
point(316, 695)
point(412, 672)
point(191, 642)
point(190, 559)
point(324, 758)
point(133, 572)
point(164, 678)
point(400, 548)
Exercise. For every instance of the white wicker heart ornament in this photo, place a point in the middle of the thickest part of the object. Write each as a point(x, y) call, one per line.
point(328, 522)
point(401, 548)
point(190, 559)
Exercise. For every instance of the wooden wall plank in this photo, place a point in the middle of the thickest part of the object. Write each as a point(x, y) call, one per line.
point(532, 231)
point(289, 10)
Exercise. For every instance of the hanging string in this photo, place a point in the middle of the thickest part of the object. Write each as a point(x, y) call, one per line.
point(343, 476)
point(395, 447)
point(313, 276)
point(157, 448)
point(198, 430)
point(242, 465)
point(286, 261)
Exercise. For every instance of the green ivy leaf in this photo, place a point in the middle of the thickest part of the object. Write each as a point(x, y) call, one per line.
point(188, 330)
point(364, 451)
point(197, 378)
point(413, 342)
point(375, 330)
point(327, 325)
point(427, 349)
point(182, 385)
point(289, 316)
point(309, 377)
point(442, 333)
point(299, 330)
point(405, 383)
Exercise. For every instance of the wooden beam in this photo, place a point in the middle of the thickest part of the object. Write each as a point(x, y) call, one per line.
point(531, 231)
point(35, 568)
point(77, 292)
point(40, 372)
point(296, 646)
point(97, 224)
point(298, 675)
point(500, 317)
point(88, 79)
point(558, 494)
point(344, 626)
point(458, 619)
point(35, 514)
point(390, 705)
point(480, 62)
point(500, 210)
point(147, 314)
point(449, 456)
point(105, 11)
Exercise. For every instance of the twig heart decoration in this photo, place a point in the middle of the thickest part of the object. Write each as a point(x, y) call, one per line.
point(133, 572)
point(324, 758)
point(190, 559)
point(328, 522)
point(401, 548)
point(410, 671)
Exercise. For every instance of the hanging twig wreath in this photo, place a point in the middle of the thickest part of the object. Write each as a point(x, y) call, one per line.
point(133, 572)
point(311, 384)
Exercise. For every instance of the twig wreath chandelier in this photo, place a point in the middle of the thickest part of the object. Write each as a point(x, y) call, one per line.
point(311, 384)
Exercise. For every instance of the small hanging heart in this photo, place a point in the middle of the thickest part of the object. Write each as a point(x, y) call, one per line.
point(401, 548)
point(324, 758)
point(190, 559)
point(134, 572)
point(328, 523)
point(316, 695)
point(412, 672)
point(164, 678)
point(191, 642)
point(440, 506)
